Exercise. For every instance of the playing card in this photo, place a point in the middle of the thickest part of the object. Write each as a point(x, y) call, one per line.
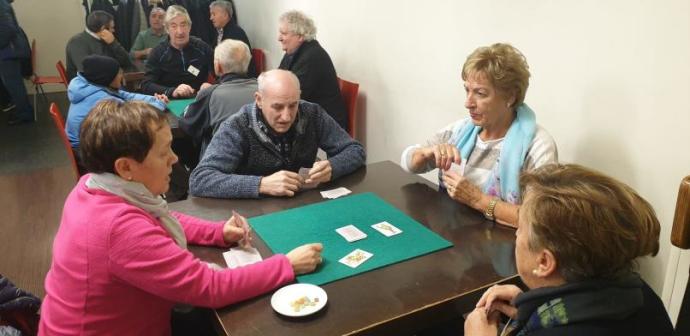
point(238, 256)
point(356, 258)
point(304, 172)
point(457, 168)
point(351, 233)
point(386, 229)
point(335, 193)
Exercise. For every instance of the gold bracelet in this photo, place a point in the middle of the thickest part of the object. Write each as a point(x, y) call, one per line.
point(489, 212)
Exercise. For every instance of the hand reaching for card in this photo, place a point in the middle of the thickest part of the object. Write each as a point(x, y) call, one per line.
point(282, 183)
point(305, 258)
point(237, 229)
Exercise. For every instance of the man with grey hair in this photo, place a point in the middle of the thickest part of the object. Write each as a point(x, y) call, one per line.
point(178, 67)
point(305, 57)
point(261, 149)
point(216, 103)
point(221, 12)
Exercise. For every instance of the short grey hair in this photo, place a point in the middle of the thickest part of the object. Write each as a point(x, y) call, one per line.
point(226, 5)
point(300, 24)
point(157, 9)
point(233, 56)
point(268, 76)
point(175, 11)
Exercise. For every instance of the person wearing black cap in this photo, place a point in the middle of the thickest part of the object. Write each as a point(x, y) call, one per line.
point(100, 79)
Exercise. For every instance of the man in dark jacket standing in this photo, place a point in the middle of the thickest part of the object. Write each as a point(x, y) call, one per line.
point(97, 39)
point(13, 47)
point(227, 28)
point(312, 65)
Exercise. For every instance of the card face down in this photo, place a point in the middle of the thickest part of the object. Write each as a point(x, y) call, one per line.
point(240, 256)
point(386, 229)
point(351, 233)
point(356, 258)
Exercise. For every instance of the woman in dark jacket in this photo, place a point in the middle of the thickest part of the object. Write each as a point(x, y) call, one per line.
point(578, 235)
point(305, 57)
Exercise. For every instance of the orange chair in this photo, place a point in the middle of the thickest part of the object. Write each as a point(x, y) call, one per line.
point(39, 81)
point(349, 92)
point(259, 60)
point(62, 72)
point(60, 125)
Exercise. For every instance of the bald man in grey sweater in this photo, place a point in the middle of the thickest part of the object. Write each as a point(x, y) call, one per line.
point(260, 150)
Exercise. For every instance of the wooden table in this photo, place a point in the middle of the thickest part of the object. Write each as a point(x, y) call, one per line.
point(399, 299)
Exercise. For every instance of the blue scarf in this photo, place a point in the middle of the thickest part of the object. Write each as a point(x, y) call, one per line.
point(505, 177)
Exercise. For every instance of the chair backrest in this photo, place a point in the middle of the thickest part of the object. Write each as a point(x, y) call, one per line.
point(349, 92)
point(63, 73)
point(259, 60)
point(680, 237)
point(60, 125)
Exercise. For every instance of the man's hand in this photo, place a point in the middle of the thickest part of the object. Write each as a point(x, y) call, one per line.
point(282, 183)
point(320, 172)
point(106, 36)
point(183, 91)
point(205, 85)
point(163, 98)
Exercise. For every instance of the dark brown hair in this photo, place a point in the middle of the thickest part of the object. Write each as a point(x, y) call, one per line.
point(115, 129)
point(595, 225)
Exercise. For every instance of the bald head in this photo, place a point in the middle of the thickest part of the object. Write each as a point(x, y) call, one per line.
point(278, 98)
point(278, 79)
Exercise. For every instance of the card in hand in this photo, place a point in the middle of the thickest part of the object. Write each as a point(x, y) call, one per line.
point(304, 173)
point(456, 168)
point(356, 258)
point(351, 233)
point(386, 229)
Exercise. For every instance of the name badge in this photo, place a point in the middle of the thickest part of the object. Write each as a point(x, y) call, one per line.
point(193, 70)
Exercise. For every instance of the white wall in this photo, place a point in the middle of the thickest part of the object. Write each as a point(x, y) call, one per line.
point(610, 79)
point(51, 23)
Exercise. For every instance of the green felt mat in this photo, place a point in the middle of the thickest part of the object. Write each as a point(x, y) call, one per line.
point(282, 231)
point(177, 106)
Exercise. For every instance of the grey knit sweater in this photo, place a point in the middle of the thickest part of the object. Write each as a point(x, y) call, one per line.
point(240, 153)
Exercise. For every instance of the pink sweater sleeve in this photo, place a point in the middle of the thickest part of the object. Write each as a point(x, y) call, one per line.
point(143, 255)
point(201, 232)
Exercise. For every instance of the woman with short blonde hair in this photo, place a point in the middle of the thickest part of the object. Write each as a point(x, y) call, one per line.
point(480, 158)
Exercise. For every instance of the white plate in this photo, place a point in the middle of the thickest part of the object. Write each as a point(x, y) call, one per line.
point(282, 300)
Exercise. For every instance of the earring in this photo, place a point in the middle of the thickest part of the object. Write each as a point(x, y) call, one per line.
point(129, 178)
point(534, 271)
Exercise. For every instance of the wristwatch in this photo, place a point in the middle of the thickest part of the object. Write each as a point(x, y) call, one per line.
point(489, 212)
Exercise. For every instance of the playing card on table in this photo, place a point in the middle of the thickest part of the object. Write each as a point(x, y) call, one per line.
point(239, 256)
point(356, 258)
point(386, 229)
point(335, 193)
point(351, 233)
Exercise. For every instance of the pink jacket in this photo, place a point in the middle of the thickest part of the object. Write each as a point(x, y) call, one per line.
point(116, 270)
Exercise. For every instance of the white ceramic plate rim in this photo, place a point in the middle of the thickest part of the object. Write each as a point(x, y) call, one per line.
point(281, 298)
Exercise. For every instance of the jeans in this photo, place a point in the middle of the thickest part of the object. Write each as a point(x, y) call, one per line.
point(10, 73)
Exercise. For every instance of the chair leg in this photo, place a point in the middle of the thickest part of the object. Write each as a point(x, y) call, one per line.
point(45, 99)
point(35, 98)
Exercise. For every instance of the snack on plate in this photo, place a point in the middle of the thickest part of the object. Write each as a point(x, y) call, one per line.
point(302, 303)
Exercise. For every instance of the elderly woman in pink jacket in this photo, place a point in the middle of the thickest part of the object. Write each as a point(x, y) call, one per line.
point(120, 261)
